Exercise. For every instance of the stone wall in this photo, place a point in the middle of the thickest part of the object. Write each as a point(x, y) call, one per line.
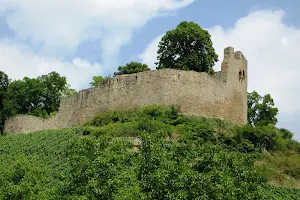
point(222, 95)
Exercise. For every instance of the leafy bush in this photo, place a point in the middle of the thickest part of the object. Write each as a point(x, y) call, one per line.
point(110, 117)
point(265, 137)
point(160, 170)
point(208, 159)
point(32, 166)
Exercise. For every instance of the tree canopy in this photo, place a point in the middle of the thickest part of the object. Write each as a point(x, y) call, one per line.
point(35, 96)
point(131, 68)
point(53, 87)
point(187, 47)
point(261, 110)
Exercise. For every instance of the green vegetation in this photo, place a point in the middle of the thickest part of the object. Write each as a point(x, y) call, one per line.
point(31, 165)
point(274, 193)
point(187, 47)
point(131, 68)
point(281, 169)
point(151, 153)
point(99, 80)
point(96, 81)
point(261, 110)
point(34, 96)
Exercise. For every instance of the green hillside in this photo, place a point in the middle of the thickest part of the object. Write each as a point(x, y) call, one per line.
point(151, 153)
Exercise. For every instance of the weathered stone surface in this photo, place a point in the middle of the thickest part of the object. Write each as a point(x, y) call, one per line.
point(222, 95)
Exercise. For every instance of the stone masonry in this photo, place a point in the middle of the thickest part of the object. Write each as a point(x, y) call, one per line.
point(222, 95)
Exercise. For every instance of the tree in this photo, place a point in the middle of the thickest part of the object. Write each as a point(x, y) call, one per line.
point(131, 68)
point(36, 96)
point(53, 86)
point(188, 47)
point(286, 134)
point(24, 97)
point(96, 81)
point(4, 83)
point(261, 110)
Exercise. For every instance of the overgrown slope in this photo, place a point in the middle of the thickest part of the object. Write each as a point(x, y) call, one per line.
point(150, 153)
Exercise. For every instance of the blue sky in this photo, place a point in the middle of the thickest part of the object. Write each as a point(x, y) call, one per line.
point(208, 14)
point(81, 39)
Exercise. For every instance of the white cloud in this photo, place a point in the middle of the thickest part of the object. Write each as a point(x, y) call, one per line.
point(54, 30)
point(60, 26)
point(271, 48)
point(149, 55)
point(17, 61)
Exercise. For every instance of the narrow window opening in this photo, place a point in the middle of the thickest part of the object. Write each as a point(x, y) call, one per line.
point(243, 73)
point(240, 73)
point(117, 80)
point(135, 77)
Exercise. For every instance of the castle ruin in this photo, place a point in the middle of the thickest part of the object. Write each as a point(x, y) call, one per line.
point(222, 95)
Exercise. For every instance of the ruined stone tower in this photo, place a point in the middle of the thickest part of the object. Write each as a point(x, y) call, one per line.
point(236, 67)
point(222, 95)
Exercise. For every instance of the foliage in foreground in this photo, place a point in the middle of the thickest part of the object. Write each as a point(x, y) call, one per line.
point(179, 158)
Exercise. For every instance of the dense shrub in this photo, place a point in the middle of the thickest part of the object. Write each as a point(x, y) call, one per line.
point(187, 169)
point(32, 165)
point(266, 137)
point(161, 113)
point(202, 158)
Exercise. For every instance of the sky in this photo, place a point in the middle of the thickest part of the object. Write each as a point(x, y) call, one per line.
point(81, 39)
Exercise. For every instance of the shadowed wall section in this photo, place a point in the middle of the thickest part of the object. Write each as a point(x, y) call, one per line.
point(222, 95)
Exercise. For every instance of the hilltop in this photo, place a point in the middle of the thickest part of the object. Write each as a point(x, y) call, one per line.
point(152, 152)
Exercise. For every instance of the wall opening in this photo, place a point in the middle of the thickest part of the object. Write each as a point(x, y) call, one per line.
point(135, 77)
point(243, 73)
point(240, 73)
point(117, 80)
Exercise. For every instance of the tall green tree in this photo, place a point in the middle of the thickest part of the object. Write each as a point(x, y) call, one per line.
point(53, 86)
point(187, 47)
point(4, 83)
point(261, 110)
point(131, 68)
point(24, 97)
point(36, 96)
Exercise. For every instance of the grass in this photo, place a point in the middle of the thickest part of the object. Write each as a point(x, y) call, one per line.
point(281, 169)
